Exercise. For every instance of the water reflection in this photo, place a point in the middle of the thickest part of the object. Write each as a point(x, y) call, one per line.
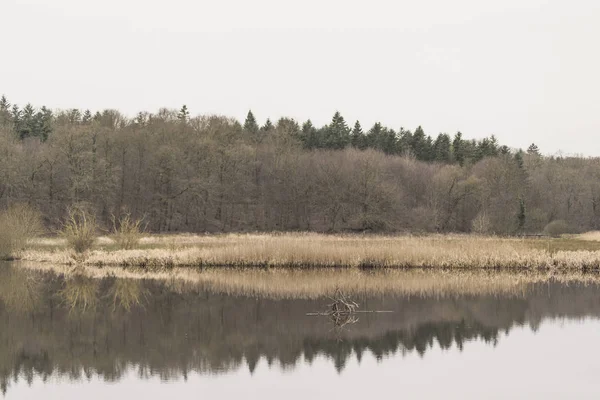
point(78, 327)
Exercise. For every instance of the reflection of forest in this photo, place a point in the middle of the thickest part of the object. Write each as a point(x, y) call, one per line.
point(78, 326)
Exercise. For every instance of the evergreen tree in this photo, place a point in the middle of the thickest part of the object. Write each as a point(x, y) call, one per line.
point(250, 125)
point(87, 117)
point(268, 126)
point(43, 123)
point(309, 135)
point(4, 111)
point(357, 137)
point(336, 135)
point(421, 145)
point(441, 148)
point(519, 159)
point(74, 116)
point(15, 117)
point(533, 150)
point(27, 123)
point(373, 138)
point(458, 149)
point(184, 114)
point(404, 143)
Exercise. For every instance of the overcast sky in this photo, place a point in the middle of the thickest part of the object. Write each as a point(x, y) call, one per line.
point(524, 70)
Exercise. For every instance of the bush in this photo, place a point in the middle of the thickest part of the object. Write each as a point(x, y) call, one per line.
point(127, 232)
point(18, 225)
point(79, 228)
point(557, 228)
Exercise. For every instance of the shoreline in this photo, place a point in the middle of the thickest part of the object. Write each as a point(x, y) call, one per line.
point(318, 251)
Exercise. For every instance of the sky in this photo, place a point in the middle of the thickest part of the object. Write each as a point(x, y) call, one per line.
point(524, 70)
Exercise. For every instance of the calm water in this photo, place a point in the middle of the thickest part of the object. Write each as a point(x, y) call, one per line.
point(80, 338)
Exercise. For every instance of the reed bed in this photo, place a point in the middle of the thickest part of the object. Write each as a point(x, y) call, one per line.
point(309, 250)
point(285, 283)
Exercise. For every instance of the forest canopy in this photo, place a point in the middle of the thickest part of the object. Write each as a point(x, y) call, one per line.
point(215, 174)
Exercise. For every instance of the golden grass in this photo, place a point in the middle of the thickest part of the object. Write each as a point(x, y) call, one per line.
point(311, 250)
point(593, 236)
point(282, 283)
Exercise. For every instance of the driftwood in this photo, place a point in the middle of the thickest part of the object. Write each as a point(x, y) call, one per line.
point(342, 311)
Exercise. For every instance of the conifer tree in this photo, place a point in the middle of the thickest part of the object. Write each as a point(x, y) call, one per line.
point(336, 134)
point(533, 150)
point(373, 138)
point(87, 117)
point(268, 126)
point(184, 114)
point(43, 123)
point(27, 123)
point(74, 116)
point(357, 139)
point(4, 111)
point(309, 135)
point(441, 148)
point(458, 149)
point(421, 145)
point(519, 159)
point(250, 125)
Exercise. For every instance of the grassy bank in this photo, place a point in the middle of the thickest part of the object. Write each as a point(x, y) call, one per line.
point(309, 250)
point(287, 283)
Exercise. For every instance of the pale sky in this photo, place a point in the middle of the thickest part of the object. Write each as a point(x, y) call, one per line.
point(524, 70)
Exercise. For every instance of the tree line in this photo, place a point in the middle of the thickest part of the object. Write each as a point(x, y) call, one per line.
point(214, 174)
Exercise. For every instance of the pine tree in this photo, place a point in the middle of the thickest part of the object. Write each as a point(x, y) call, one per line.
point(268, 126)
point(43, 123)
point(74, 116)
point(4, 111)
point(533, 150)
point(87, 117)
point(519, 159)
point(184, 114)
point(27, 123)
point(458, 149)
point(309, 135)
point(357, 137)
point(336, 134)
point(250, 125)
point(404, 143)
point(421, 145)
point(441, 148)
point(373, 138)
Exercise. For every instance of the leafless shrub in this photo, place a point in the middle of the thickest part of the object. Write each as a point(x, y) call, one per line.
point(18, 225)
point(127, 231)
point(79, 229)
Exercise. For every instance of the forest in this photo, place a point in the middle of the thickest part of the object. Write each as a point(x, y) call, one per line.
point(212, 173)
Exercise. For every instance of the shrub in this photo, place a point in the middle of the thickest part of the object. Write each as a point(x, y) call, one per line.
point(18, 225)
point(79, 229)
point(127, 232)
point(557, 228)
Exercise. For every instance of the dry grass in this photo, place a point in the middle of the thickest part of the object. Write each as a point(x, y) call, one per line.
point(281, 283)
point(312, 250)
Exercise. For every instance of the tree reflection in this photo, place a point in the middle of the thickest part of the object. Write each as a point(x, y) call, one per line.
point(79, 327)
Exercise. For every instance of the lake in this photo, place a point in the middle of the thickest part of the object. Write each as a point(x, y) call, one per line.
point(73, 337)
